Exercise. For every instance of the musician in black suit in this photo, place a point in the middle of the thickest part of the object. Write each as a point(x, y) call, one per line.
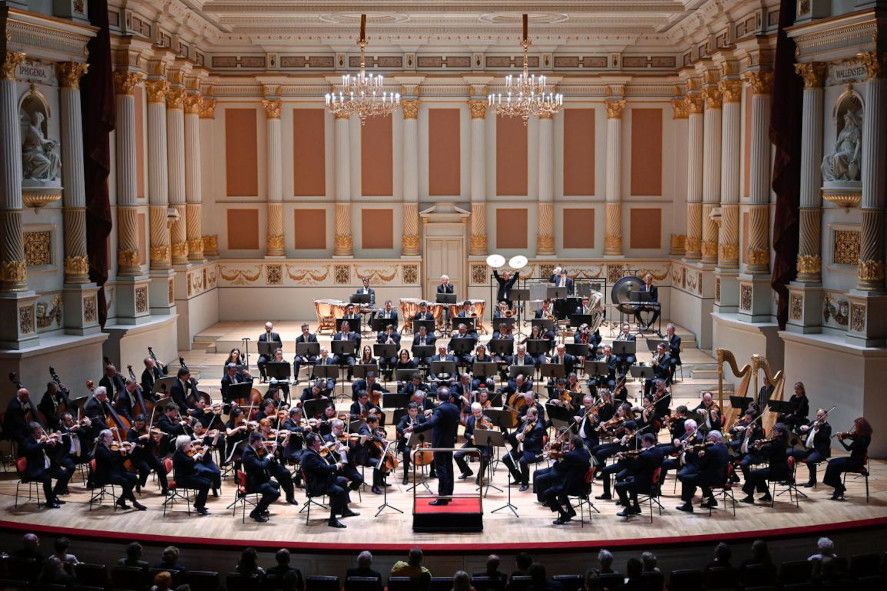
point(321, 478)
point(529, 434)
point(506, 282)
point(562, 280)
point(19, 413)
point(640, 475)
point(773, 451)
point(817, 448)
point(367, 290)
point(300, 360)
point(561, 357)
point(151, 374)
point(609, 379)
point(368, 384)
point(463, 335)
point(708, 469)
point(441, 357)
point(269, 336)
point(648, 287)
point(346, 334)
point(567, 477)
point(112, 381)
point(388, 313)
point(143, 455)
point(521, 357)
point(258, 477)
point(674, 343)
point(184, 470)
point(475, 420)
point(623, 362)
point(362, 406)
point(445, 286)
point(184, 390)
point(109, 470)
point(37, 449)
point(443, 425)
point(96, 408)
point(389, 336)
point(50, 402)
point(126, 399)
point(800, 408)
point(663, 368)
point(422, 338)
point(411, 418)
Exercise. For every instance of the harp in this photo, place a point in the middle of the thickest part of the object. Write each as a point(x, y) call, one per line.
point(744, 375)
point(778, 381)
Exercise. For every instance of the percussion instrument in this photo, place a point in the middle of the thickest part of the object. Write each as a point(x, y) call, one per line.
point(517, 262)
point(409, 307)
point(496, 261)
point(620, 295)
point(327, 311)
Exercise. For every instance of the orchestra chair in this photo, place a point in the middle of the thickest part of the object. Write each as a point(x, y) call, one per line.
point(720, 577)
point(862, 472)
point(129, 578)
point(583, 496)
point(653, 496)
point(309, 500)
point(653, 581)
point(865, 565)
point(685, 579)
point(34, 487)
point(92, 575)
point(23, 571)
point(201, 580)
point(322, 583)
point(242, 495)
point(725, 491)
point(361, 584)
point(176, 493)
point(789, 485)
point(570, 582)
point(102, 488)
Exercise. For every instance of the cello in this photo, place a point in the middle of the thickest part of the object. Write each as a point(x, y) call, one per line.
point(113, 421)
point(141, 406)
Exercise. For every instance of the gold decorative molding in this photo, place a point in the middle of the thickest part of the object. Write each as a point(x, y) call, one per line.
point(76, 266)
point(13, 272)
point(41, 198)
point(175, 99)
point(813, 73)
point(157, 90)
point(142, 299)
point(195, 245)
point(809, 265)
point(873, 61)
point(477, 244)
point(694, 247)
point(871, 272)
point(128, 259)
point(731, 90)
point(179, 251)
point(272, 108)
point(192, 102)
point(710, 249)
point(126, 82)
point(274, 244)
point(678, 244)
point(69, 73)
point(679, 108)
point(728, 253)
point(207, 107)
point(211, 245)
point(410, 108)
point(713, 97)
point(160, 254)
point(546, 116)
point(760, 82)
point(342, 115)
point(847, 246)
point(26, 324)
point(12, 61)
point(478, 109)
point(615, 109)
point(613, 244)
point(38, 248)
point(841, 199)
point(758, 257)
point(695, 104)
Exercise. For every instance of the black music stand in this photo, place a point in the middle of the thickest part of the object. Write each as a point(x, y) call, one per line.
point(468, 322)
point(555, 293)
point(653, 344)
point(484, 369)
point(353, 324)
point(508, 504)
point(429, 325)
point(315, 408)
point(526, 370)
point(327, 371)
point(641, 371)
point(415, 440)
point(359, 298)
point(495, 399)
point(308, 349)
point(780, 407)
point(406, 375)
point(361, 370)
point(239, 392)
point(445, 298)
point(543, 323)
point(577, 320)
point(439, 367)
point(422, 351)
point(378, 466)
point(559, 413)
point(379, 324)
point(340, 348)
point(501, 347)
point(497, 322)
point(488, 438)
point(577, 349)
point(624, 348)
point(462, 345)
point(396, 401)
point(553, 370)
point(740, 403)
point(281, 371)
point(597, 368)
point(520, 297)
point(267, 348)
point(537, 347)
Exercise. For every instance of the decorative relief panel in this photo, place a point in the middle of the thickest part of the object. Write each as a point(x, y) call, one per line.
point(846, 249)
point(274, 274)
point(411, 274)
point(90, 313)
point(26, 320)
point(342, 274)
point(745, 297)
point(717, 289)
point(478, 274)
point(38, 248)
point(795, 306)
point(142, 299)
point(835, 310)
point(171, 291)
point(49, 313)
point(307, 276)
point(857, 317)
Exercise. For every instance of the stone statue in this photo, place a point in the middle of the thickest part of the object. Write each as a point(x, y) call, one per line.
point(844, 163)
point(40, 158)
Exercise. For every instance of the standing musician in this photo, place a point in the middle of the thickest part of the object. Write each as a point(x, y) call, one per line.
point(269, 336)
point(300, 360)
point(639, 469)
point(322, 478)
point(817, 445)
point(506, 282)
point(345, 334)
point(19, 414)
point(389, 336)
point(566, 477)
point(367, 290)
point(151, 374)
point(709, 413)
point(184, 461)
point(37, 449)
point(146, 453)
point(607, 380)
point(663, 368)
point(709, 470)
point(257, 461)
point(674, 343)
point(773, 450)
point(860, 439)
point(476, 420)
point(112, 381)
point(109, 469)
point(412, 418)
point(648, 287)
point(443, 425)
point(800, 408)
point(529, 434)
point(345, 448)
point(184, 390)
point(50, 403)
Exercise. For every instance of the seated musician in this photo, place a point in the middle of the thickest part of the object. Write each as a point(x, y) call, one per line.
point(688, 435)
point(236, 358)
point(663, 368)
point(674, 343)
point(462, 335)
point(184, 390)
point(184, 461)
point(546, 311)
point(267, 409)
point(388, 337)
point(365, 289)
point(51, 402)
point(505, 332)
point(463, 385)
point(404, 361)
point(588, 419)
point(297, 427)
point(316, 391)
point(561, 357)
point(96, 408)
point(269, 336)
point(282, 384)
point(109, 470)
point(369, 385)
point(322, 478)
point(708, 470)
point(112, 381)
point(503, 310)
point(520, 384)
point(345, 334)
point(171, 423)
point(817, 445)
point(423, 339)
point(441, 357)
point(648, 287)
point(744, 433)
point(415, 385)
point(608, 379)
point(206, 466)
point(623, 432)
point(800, 409)
point(529, 434)
point(522, 357)
point(563, 280)
point(661, 401)
point(388, 313)
point(352, 313)
point(480, 356)
point(583, 335)
point(146, 454)
point(585, 308)
point(764, 393)
point(709, 413)
point(151, 374)
point(233, 377)
point(325, 420)
point(256, 464)
point(326, 359)
point(567, 476)
point(372, 441)
point(77, 441)
point(475, 420)
point(366, 356)
point(466, 311)
point(345, 450)
point(38, 449)
point(300, 360)
point(361, 408)
point(412, 418)
point(773, 451)
point(639, 477)
point(236, 433)
point(860, 439)
point(423, 313)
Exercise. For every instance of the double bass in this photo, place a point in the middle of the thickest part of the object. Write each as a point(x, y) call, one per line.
point(61, 406)
point(141, 407)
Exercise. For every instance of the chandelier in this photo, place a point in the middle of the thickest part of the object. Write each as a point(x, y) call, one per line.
point(362, 94)
point(525, 95)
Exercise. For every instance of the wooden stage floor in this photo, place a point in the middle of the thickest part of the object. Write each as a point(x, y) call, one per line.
point(502, 531)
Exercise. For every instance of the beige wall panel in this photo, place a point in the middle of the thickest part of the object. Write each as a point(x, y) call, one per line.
point(578, 228)
point(243, 229)
point(646, 228)
point(377, 157)
point(310, 228)
point(511, 227)
point(511, 156)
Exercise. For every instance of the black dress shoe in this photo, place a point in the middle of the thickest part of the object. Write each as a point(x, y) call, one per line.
point(466, 475)
point(52, 505)
point(749, 499)
point(524, 487)
point(59, 501)
point(571, 512)
point(292, 501)
point(686, 507)
point(202, 510)
point(809, 484)
point(258, 517)
point(604, 497)
point(336, 523)
point(709, 504)
point(405, 481)
point(439, 502)
point(625, 512)
point(215, 492)
point(562, 520)
point(122, 504)
point(766, 499)
point(376, 490)
point(139, 506)
point(350, 513)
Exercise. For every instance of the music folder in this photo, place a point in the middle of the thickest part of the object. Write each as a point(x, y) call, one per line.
point(556, 293)
point(536, 347)
point(308, 349)
point(497, 322)
point(361, 370)
point(597, 368)
point(501, 346)
point(385, 350)
point(340, 348)
point(577, 320)
point(267, 348)
point(553, 370)
point(504, 419)
point(641, 371)
point(543, 323)
point(525, 370)
point(394, 400)
point(379, 324)
point(482, 369)
point(360, 298)
point(428, 324)
point(462, 345)
point(577, 349)
point(625, 347)
point(468, 322)
point(324, 371)
point(439, 367)
point(445, 298)
point(280, 370)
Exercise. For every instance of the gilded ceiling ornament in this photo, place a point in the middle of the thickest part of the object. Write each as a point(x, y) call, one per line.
point(69, 73)
point(615, 109)
point(813, 73)
point(12, 61)
point(874, 64)
point(272, 108)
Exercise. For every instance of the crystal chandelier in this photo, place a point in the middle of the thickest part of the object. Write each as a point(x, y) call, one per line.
point(362, 94)
point(525, 95)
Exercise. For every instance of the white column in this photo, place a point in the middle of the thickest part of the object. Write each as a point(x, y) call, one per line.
point(175, 157)
point(613, 234)
point(274, 242)
point(695, 157)
point(809, 258)
point(410, 209)
point(193, 184)
point(13, 271)
point(870, 274)
point(125, 84)
point(158, 179)
point(711, 174)
point(758, 249)
point(728, 237)
point(545, 234)
point(344, 242)
point(207, 125)
point(478, 242)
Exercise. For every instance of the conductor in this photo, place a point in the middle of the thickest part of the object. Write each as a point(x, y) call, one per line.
point(443, 425)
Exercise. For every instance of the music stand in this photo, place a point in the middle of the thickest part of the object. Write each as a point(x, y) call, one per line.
point(525, 370)
point(468, 322)
point(361, 370)
point(406, 375)
point(780, 407)
point(353, 324)
point(624, 348)
point(740, 403)
point(164, 384)
point(359, 298)
point(537, 347)
point(502, 418)
point(308, 349)
point(327, 372)
point(314, 408)
point(495, 398)
point(497, 322)
point(378, 466)
point(396, 401)
point(556, 293)
point(543, 323)
point(577, 349)
point(484, 369)
point(641, 371)
point(439, 367)
point(280, 370)
point(553, 370)
point(340, 348)
point(462, 345)
point(423, 351)
point(653, 344)
point(560, 413)
point(500, 442)
point(415, 440)
point(429, 325)
point(239, 391)
point(445, 298)
point(501, 346)
point(267, 348)
point(385, 350)
point(578, 320)
point(488, 438)
point(597, 368)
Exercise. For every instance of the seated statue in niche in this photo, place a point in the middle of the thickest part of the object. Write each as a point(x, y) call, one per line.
point(40, 158)
point(844, 163)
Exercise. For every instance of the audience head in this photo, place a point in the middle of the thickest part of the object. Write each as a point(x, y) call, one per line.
point(461, 581)
point(825, 546)
point(649, 561)
point(634, 568)
point(162, 580)
point(723, 553)
point(493, 562)
point(364, 559)
point(760, 552)
point(61, 545)
point(170, 555)
point(523, 561)
point(31, 542)
point(605, 559)
point(537, 573)
point(134, 551)
point(282, 557)
point(414, 558)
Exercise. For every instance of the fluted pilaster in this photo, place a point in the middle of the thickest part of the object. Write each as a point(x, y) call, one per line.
point(175, 134)
point(728, 232)
point(410, 207)
point(758, 248)
point(193, 181)
point(711, 174)
point(125, 84)
point(478, 242)
point(809, 247)
point(344, 242)
point(410, 239)
point(545, 236)
point(613, 230)
point(13, 271)
point(274, 242)
point(695, 158)
point(613, 233)
point(158, 175)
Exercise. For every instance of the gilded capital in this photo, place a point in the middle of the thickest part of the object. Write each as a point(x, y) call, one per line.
point(713, 97)
point(76, 266)
point(871, 271)
point(272, 108)
point(813, 73)
point(874, 64)
point(478, 109)
point(809, 264)
point(13, 272)
point(679, 108)
point(128, 259)
point(760, 82)
point(192, 102)
point(695, 103)
point(126, 82)
point(343, 115)
point(12, 61)
point(410, 108)
point(157, 90)
point(175, 98)
point(69, 73)
point(207, 107)
point(731, 90)
point(615, 109)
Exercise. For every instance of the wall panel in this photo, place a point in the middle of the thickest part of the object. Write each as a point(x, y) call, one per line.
point(646, 228)
point(511, 227)
point(241, 153)
point(578, 228)
point(511, 156)
point(579, 151)
point(444, 152)
point(309, 228)
point(646, 151)
point(377, 228)
point(243, 229)
point(309, 153)
point(377, 157)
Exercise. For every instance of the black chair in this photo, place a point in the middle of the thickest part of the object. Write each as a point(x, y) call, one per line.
point(35, 488)
point(101, 490)
point(789, 484)
point(757, 575)
point(322, 583)
point(520, 583)
point(201, 580)
point(607, 581)
point(239, 582)
point(685, 580)
point(242, 495)
point(865, 565)
point(361, 584)
point(653, 581)
point(487, 584)
point(720, 577)
point(14, 585)
point(795, 572)
point(129, 578)
point(94, 575)
point(862, 472)
point(570, 582)
point(872, 583)
point(310, 500)
point(653, 495)
point(400, 584)
point(22, 569)
point(441, 584)
point(583, 496)
point(725, 490)
point(839, 584)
